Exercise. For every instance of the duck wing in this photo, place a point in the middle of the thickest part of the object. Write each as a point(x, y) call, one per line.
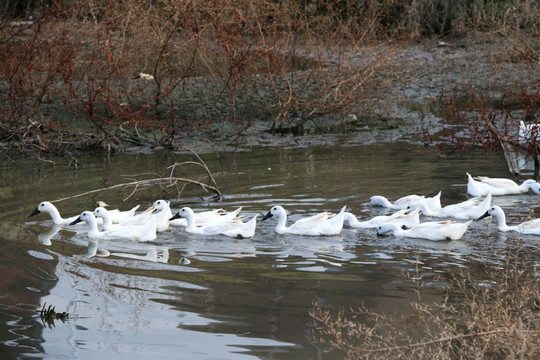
point(231, 228)
point(439, 230)
point(458, 210)
point(331, 226)
point(409, 199)
point(139, 219)
point(308, 223)
point(146, 232)
point(381, 219)
point(496, 182)
point(118, 216)
point(530, 227)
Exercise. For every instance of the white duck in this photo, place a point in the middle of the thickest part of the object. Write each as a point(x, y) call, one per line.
point(434, 202)
point(320, 224)
point(404, 218)
point(230, 228)
point(528, 133)
point(50, 209)
point(435, 230)
point(145, 232)
point(530, 227)
point(466, 210)
point(209, 217)
point(482, 185)
point(139, 219)
point(163, 214)
point(118, 216)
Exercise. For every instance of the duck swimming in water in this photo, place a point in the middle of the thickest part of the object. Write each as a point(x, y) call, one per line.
point(47, 207)
point(232, 228)
point(529, 227)
point(482, 185)
point(316, 225)
point(435, 230)
point(467, 210)
point(434, 202)
point(145, 232)
point(404, 218)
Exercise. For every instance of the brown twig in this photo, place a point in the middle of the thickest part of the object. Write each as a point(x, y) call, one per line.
point(170, 180)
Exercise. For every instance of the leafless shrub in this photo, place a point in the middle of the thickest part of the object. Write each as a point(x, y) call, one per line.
point(494, 317)
point(71, 76)
point(477, 119)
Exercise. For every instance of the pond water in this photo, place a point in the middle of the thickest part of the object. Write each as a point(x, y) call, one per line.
point(214, 297)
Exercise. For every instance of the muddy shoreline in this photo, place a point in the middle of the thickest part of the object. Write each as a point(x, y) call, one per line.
point(407, 106)
point(410, 108)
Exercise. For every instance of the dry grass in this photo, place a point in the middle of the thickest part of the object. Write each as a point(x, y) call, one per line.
point(208, 63)
point(497, 316)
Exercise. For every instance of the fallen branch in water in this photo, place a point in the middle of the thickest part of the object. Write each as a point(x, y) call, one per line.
point(173, 181)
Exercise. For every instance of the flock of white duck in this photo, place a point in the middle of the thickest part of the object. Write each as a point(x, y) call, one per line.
point(405, 222)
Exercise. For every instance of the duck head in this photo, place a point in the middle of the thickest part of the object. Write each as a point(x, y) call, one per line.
point(533, 185)
point(275, 210)
point(385, 229)
point(85, 216)
point(183, 213)
point(488, 213)
point(160, 205)
point(45, 206)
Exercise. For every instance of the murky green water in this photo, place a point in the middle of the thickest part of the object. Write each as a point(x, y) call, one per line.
point(187, 296)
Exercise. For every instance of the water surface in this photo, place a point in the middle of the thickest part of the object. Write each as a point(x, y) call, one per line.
point(196, 297)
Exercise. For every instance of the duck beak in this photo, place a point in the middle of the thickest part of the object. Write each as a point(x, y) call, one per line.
point(267, 216)
point(177, 216)
point(487, 214)
point(76, 221)
point(35, 212)
point(150, 209)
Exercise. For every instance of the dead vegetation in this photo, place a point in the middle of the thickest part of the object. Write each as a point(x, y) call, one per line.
point(101, 74)
point(48, 315)
point(494, 316)
point(506, 123)
point(175, 179)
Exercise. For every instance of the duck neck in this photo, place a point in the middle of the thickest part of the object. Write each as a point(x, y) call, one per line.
point(191, 225)
point(165, 212)
point(351, 219)
point(525, 187)
point(281, 224)
point(381, 201)
point(190, 220)
point(55, 215)
point(501, 222)
point(107, 223)
point(425, 209)
point(93, 230)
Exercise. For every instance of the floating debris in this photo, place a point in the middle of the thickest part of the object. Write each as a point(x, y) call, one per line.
point(49, 315)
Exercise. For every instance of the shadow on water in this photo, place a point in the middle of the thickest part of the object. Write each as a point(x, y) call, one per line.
point(219, 297)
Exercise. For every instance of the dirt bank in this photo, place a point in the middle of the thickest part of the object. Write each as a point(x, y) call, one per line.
point(410, 103)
